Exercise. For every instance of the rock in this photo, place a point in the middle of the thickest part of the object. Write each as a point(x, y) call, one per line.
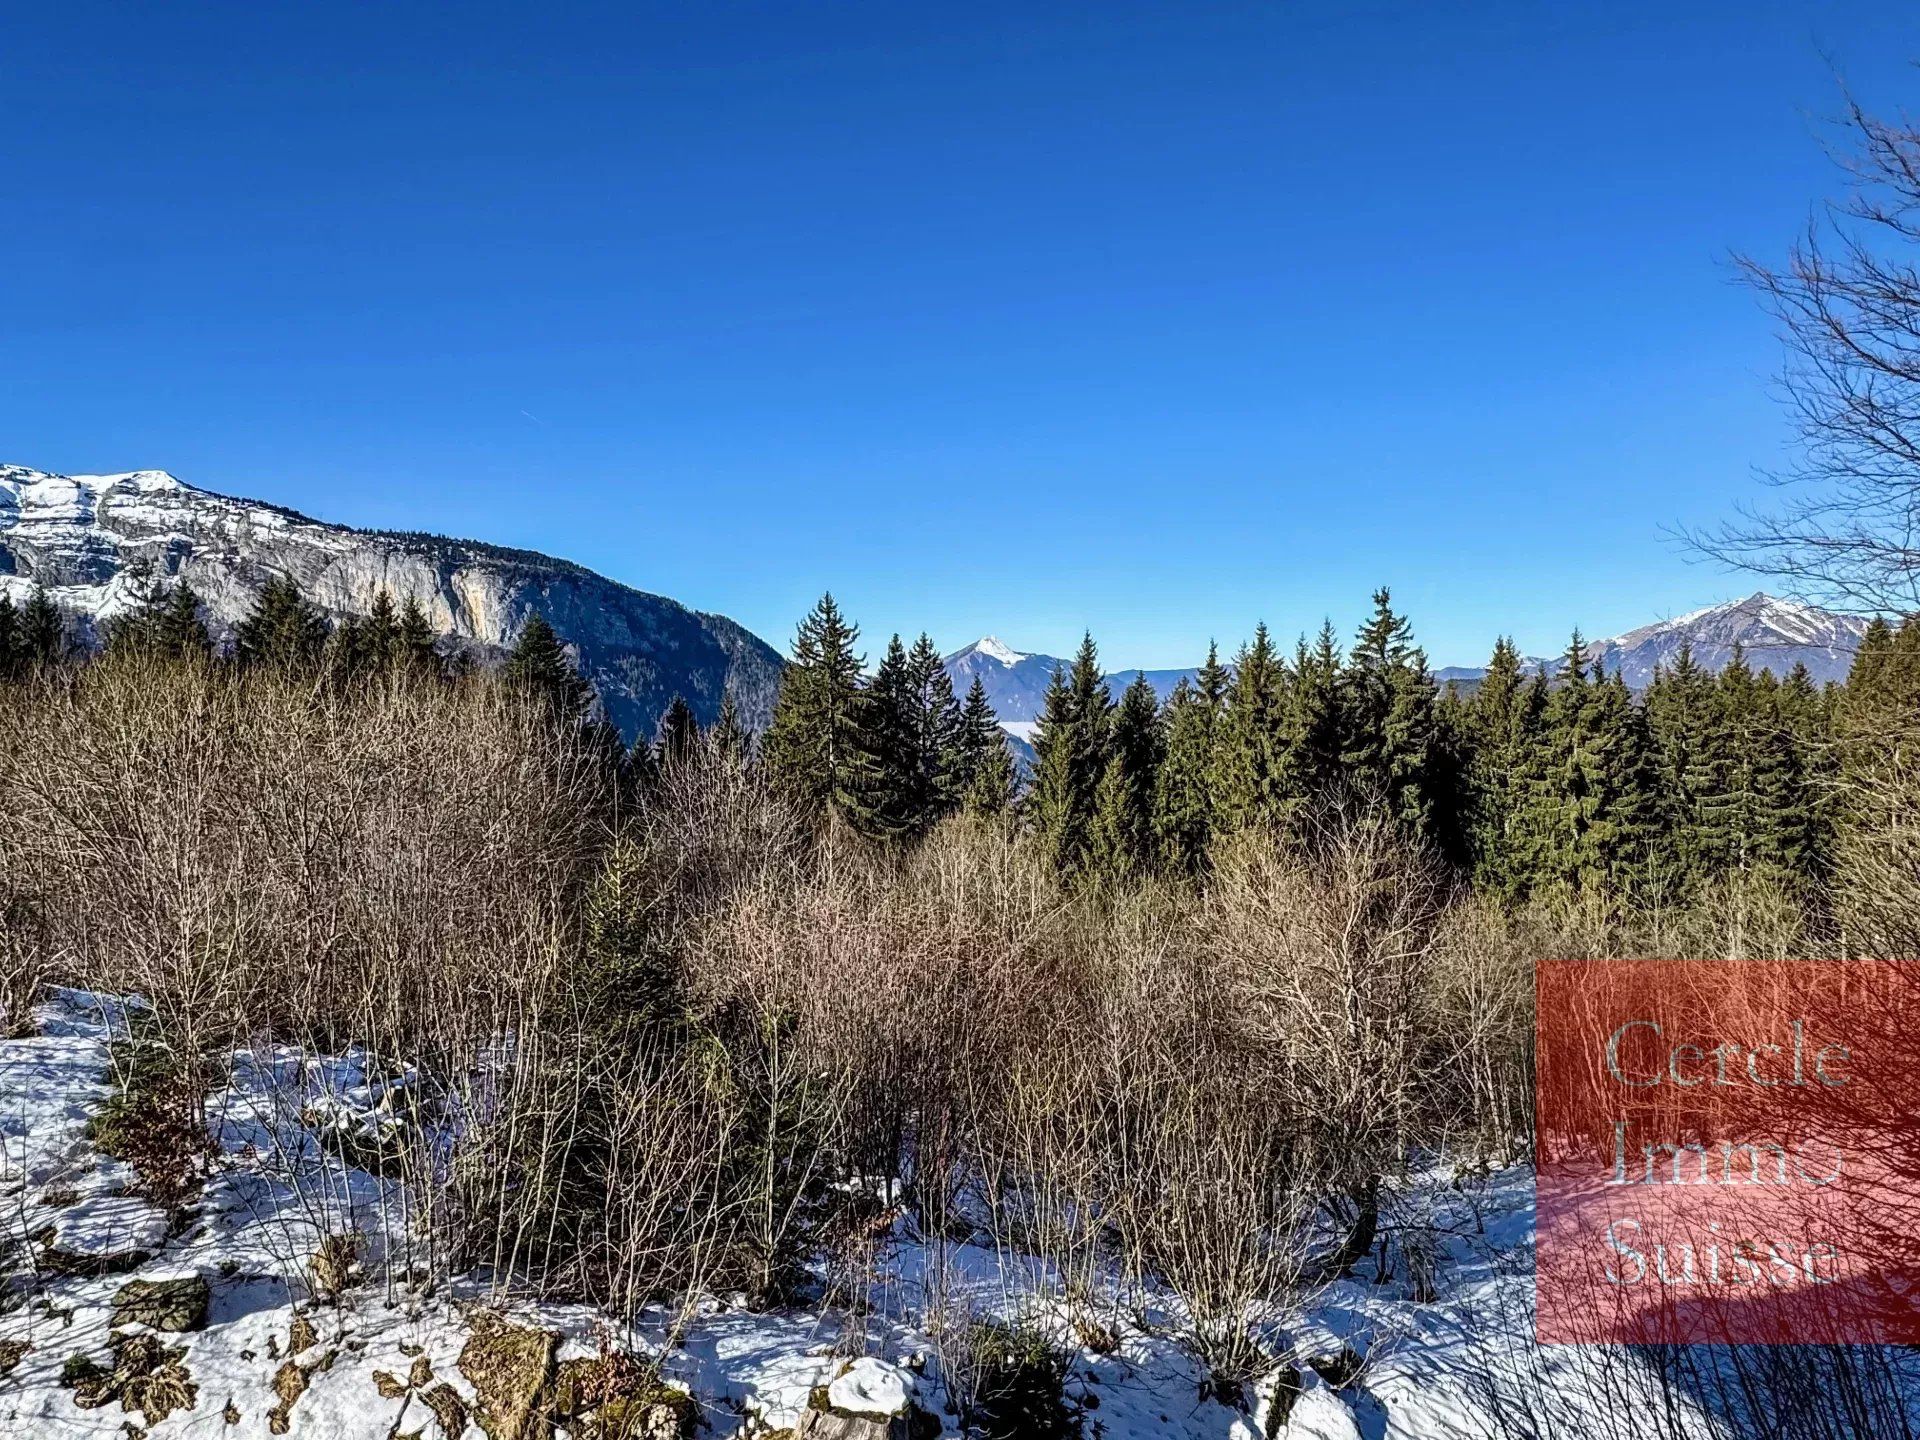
point(170, 1305)
point(103, 1235)
point(91, 537)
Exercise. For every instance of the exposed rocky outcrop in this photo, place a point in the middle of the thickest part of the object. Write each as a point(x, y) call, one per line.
point(94, 541)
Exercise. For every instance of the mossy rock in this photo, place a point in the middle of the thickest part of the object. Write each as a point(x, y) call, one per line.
point(174, 1306)
point(511, 1370)
point(620, 1396)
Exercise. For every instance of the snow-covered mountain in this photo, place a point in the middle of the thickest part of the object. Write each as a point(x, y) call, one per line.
point(90, 538)
point(1775, 634)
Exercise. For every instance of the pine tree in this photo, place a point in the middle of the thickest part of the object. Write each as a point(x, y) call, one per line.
point(1071, 746)
point(679, 735)
point(541, 666)
point(380, 633)
point(990, 793)
point(1681, 713)
point(813, 751)
point(940, 774)
point(10, 642)
point(1184, 817)
point(1250, 776)
point(885, 799)
point(1389, 702)
point(728, 738)
point(1503, 724)
point(1122, 843)
point(1315, 740)
point(975, 737)
point(282, 631)
point(179, 629)
point(164, 621)
point(415, 642)
point(42, 633)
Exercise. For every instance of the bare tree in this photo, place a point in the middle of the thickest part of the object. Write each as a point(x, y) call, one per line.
point(1848, 301)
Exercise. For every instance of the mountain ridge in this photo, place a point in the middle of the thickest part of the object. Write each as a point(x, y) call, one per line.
point(1774, 633)
point(93, 541)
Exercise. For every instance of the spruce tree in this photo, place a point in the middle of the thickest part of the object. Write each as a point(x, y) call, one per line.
point(379, 633)
point(1681, 713)
point(1502, 722)
point(940, 773)
point(1184, 799)
point(813, 751)
point(1315, 740)
point(886, 797)
point(540, 665)
point(10, 641)
point(415, 642)
point(1122, 843)
point(179, 629)
point(1071, 746)
point(282, 631)
point(1250, 775)
point(975, 737)
point(728, 738)
point(42, 634)
point(1389, 701)
point(679, 735)
point(990, 793)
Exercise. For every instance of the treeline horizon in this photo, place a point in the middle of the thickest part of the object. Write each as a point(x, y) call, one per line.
point(1530, 784)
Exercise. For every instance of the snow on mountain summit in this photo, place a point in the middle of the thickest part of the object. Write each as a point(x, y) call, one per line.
point(1773, 633)
point(96, 542)
point(994, 648)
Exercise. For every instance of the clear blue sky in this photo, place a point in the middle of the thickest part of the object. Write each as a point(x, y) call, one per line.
point(992, 317)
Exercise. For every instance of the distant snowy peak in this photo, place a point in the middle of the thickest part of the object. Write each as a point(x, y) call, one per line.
point(1773, 634)
point(994, 648)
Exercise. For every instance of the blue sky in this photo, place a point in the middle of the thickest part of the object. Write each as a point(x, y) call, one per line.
point(1022, 318)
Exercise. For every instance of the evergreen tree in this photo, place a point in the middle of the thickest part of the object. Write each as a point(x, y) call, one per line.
point(1251, 765)
point(380, 633)
point(540, 664)
point(886, 797)
point(282, 631)
point(1681, 713)
point(1389, 703)
point(1315, 741)
point(729, 738)
point(1587, 822)
point(42, 631)
point(941, 774)
point(1122, 843)
point(1184, 799)
point(1503, 723)
point(179, 629)
point(975, 737)
point(679, 735)
point(10, 642)
point(415, 642)
point(163, 622)
point(814, 751)
point(1071, 746)
point(990, 793)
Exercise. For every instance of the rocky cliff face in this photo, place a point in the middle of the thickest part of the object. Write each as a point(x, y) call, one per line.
point(93, 539)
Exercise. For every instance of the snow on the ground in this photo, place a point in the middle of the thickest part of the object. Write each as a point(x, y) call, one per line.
point(280, 1186)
